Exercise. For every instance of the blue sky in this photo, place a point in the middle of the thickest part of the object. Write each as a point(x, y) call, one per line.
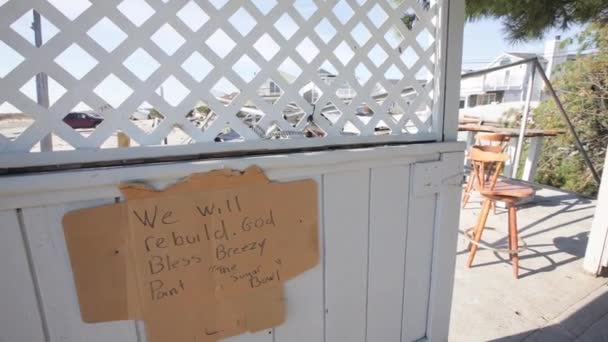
point(484, 40)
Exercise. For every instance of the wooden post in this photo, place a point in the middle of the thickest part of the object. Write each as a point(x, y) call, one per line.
point(534, 151)
point(524, 122)
point(596, 255)
point(444, 256)
point(449, 64)
point(508, 170)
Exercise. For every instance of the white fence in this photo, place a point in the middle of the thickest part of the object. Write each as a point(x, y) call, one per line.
point(199, 72)
point(388, 226)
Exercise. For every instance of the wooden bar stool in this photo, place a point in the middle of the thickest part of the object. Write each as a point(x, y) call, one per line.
point(498, 141)
point(510, 194)
point(487, 163)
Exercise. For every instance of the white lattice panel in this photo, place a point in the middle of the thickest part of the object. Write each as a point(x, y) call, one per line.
point(217, 71)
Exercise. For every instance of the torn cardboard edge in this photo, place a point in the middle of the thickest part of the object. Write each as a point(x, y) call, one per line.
point(104, 269)
point(212, 180)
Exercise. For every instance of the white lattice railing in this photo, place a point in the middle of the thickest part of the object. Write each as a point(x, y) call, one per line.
point(209, 73)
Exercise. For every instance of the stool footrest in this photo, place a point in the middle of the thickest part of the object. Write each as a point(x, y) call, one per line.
point(522, 243)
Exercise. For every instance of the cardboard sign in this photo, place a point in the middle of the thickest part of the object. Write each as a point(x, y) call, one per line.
point(194, 264)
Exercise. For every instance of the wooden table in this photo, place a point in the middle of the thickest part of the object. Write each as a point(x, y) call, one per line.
point(536, 137)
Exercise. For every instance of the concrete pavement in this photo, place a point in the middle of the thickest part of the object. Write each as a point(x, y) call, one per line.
point(554, 300)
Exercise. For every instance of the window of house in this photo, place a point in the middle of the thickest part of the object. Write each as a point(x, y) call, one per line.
point(485, 99)
point(274, 88)
point(473, 100)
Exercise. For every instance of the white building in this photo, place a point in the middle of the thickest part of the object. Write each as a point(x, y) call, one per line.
point(488, 96)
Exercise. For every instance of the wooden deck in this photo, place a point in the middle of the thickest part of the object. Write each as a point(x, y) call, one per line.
point(554, 300)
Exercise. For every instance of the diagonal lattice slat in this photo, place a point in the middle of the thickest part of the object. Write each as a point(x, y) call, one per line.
point(217, 70)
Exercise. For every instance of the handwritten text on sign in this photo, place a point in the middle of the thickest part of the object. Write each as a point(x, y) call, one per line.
point(223, 243)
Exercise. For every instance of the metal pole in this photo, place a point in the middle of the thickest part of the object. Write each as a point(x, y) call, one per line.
point(524, 122)
point(579, 144)
point(42, 82)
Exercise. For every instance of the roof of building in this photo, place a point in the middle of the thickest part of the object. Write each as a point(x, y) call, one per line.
point(522, 55)
point(518, 55)
point(323, 71)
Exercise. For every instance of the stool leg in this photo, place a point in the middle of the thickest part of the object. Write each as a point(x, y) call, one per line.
point(513, 242)
point(510, 241)
point(469, 187)
point(481, 224)
point(467, 190)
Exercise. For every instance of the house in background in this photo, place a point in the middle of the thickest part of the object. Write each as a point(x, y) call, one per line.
point(270, 91)
point(490, 95)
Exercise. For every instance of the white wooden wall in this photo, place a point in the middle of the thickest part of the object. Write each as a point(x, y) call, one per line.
point(389, 219)
point(596, 255)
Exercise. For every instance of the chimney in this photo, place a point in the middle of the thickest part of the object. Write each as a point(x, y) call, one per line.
point(554, 54)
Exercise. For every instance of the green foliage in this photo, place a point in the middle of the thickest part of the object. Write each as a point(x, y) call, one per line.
point(530, 19)
point(525, 20)
point(511, 118)
point(203, 109)
point(409, 19)
point(582, 85)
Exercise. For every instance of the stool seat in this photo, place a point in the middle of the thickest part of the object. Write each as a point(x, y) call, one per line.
point(508, 192)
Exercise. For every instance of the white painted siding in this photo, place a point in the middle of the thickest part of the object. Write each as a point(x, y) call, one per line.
point(19, 316)
point(388, 220)
point(346, 218)
point(513, 96)
point(387, 241)
point(51, 267)
point(596, 255)
point(508, 79)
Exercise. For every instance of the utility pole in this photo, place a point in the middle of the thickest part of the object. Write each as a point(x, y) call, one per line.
point(157, 120)
point(42, 83)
